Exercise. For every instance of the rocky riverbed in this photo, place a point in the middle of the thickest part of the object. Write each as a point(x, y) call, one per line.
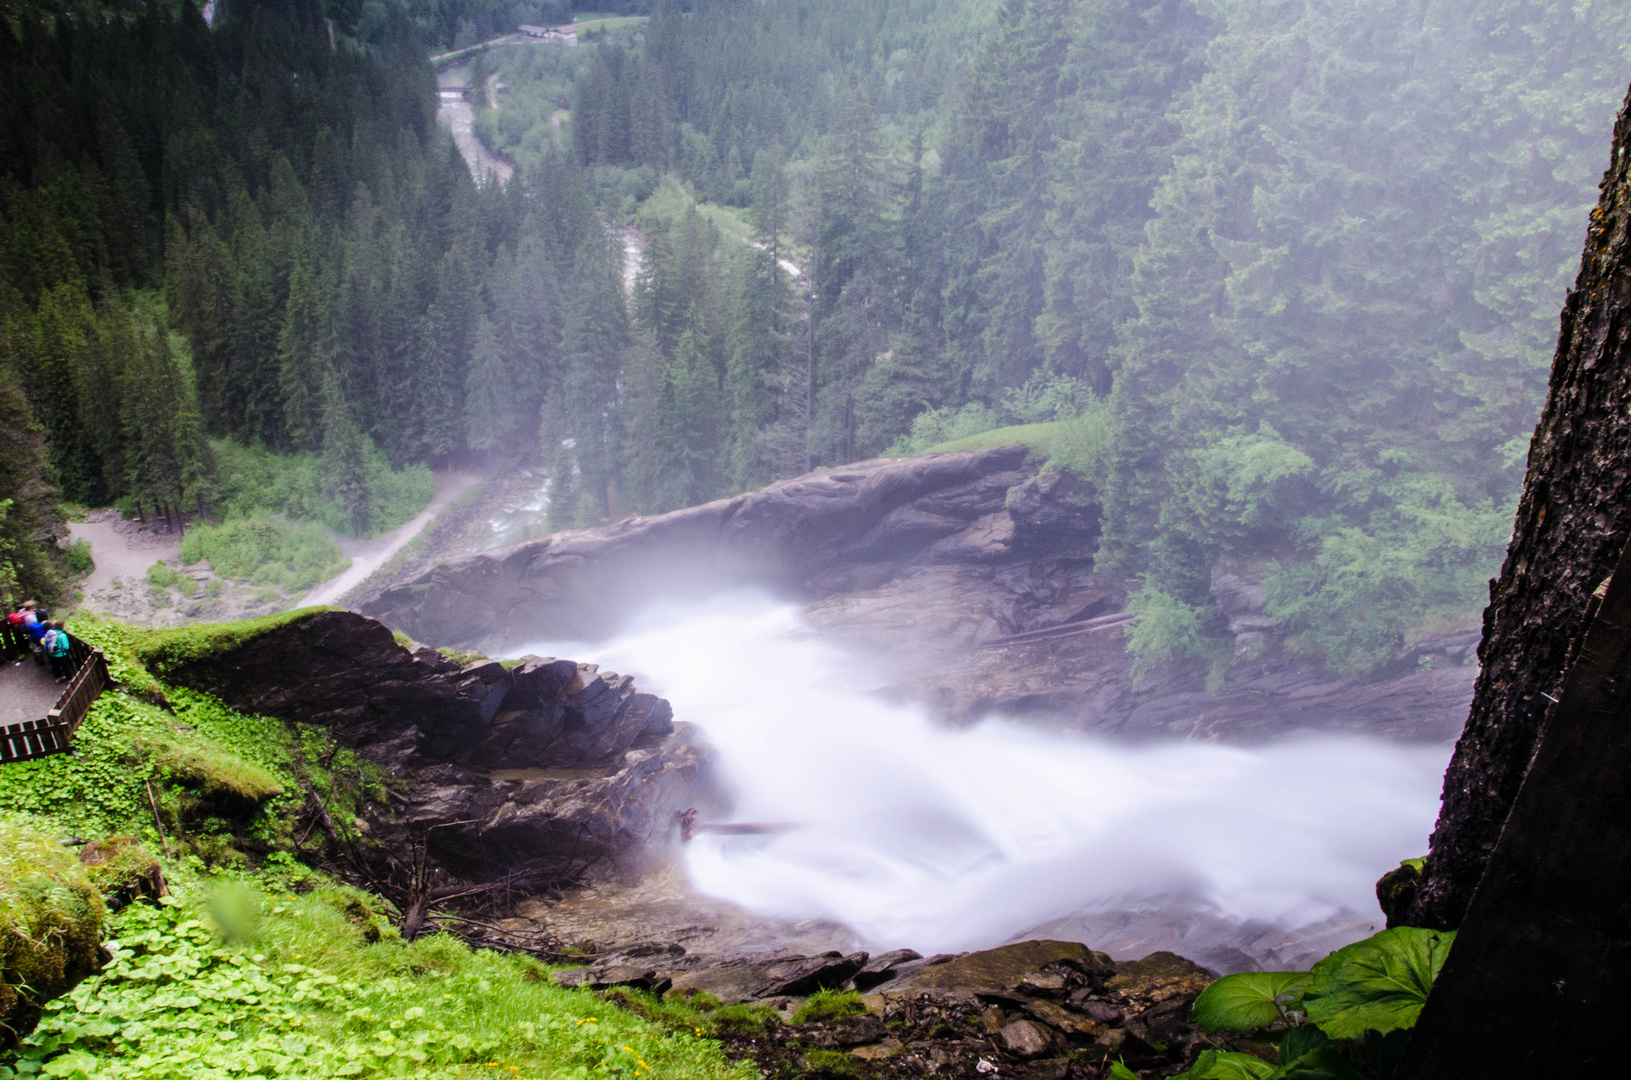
point(1034, 1009)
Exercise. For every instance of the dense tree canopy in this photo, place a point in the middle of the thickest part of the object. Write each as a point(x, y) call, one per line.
point(1308, 254)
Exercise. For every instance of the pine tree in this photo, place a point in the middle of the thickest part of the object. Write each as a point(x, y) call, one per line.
point(29, 518)
point(688, 422)
point(302, 362)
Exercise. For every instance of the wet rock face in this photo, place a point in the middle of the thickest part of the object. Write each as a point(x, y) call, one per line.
point(970, 575)
point(1032, 1009)
point(834, 530)
point(546, 762)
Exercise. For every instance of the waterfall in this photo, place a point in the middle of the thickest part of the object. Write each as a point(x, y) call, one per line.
point(913, 833)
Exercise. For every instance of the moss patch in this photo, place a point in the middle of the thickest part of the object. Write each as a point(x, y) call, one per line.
point(162, 651)
point(50, 925)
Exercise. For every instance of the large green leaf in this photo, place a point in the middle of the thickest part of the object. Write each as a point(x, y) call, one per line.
point(1326, 1063)
point(1227, 1065)
point(1378, 984)
point(1248, 1001)
point(1302, 1040)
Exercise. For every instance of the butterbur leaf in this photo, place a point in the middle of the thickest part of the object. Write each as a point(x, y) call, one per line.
point(1302, 1040)
point(1378, 984)
point(1326, 1063)
point(1248, 1001)
point(1227, 1065)
point(1119, 1071)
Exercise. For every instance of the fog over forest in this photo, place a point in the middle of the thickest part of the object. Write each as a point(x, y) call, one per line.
point(1285, 275)
point(1039, 466)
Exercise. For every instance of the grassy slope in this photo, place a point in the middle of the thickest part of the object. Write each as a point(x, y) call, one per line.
point(1082, 445)
point(259, 966)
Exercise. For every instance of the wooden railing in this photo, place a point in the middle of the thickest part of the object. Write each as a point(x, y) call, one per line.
point(54, 733)
point(13, 642)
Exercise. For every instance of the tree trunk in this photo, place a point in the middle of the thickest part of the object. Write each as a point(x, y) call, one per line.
point(1573, 522)
point(1538, 970)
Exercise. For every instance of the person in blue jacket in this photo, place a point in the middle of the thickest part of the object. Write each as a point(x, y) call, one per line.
point(36, 636)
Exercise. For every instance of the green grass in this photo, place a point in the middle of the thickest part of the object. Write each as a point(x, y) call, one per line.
point(255, 482)
point(830, 1063)
point(250, 982)
point(700, 1013)
point(828, 1005)
point(133, 651)
point(1081, 444)
point(594, 20)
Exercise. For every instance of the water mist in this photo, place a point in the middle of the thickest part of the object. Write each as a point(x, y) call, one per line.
point(912, 833)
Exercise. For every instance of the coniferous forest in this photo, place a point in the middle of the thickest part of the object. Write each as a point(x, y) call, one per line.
point(1297, 265)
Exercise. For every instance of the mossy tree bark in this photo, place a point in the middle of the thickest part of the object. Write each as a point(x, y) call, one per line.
point(1573, 522)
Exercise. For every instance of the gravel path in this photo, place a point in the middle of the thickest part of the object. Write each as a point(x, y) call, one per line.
point(369, 555)
point(120, 549)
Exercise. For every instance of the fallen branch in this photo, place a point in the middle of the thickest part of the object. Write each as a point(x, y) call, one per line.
point(157, 824)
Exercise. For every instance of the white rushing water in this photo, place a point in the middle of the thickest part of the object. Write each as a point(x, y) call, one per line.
point(912, 833)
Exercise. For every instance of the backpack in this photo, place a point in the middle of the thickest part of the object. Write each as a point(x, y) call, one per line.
point(57, 643)
point(15, 618)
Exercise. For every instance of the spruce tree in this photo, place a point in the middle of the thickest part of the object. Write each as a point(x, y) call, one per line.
point(344, 463)
point(302, 362)
point(594, 342)
point(490, 398)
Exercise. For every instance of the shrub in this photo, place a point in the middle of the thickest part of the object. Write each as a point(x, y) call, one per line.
point(1167, 628)
point(266, 551)
point(255, 482)
point(161, 576)
point(77, 558)
point(1424, 552)
point(933, 427)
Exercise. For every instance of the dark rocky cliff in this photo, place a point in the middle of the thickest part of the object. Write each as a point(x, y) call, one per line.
point(521, 767)
point(1573, 521)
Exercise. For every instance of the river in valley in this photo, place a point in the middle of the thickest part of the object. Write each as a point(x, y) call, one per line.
point(911, 833)
point(456, 113)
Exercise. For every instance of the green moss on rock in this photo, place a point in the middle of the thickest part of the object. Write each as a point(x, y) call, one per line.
point(123, 869)
point(217, 782)
point(162, 651)
point(51, 919)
